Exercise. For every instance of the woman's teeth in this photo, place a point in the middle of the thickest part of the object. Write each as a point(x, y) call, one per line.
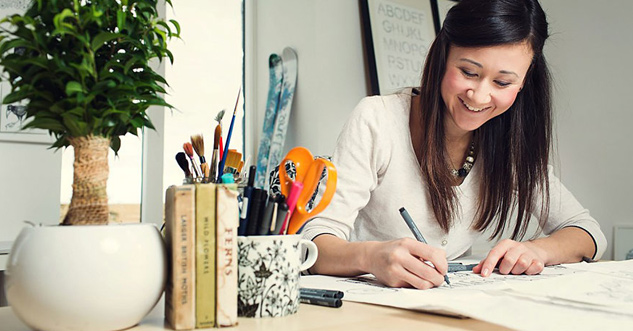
point(472, 108)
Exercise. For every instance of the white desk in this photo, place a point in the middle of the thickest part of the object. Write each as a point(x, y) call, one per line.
point(352, 316)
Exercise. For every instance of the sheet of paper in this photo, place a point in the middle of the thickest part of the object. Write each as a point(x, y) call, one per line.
point(518, 302)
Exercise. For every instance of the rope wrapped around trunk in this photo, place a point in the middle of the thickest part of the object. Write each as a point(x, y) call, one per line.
point(89, 203)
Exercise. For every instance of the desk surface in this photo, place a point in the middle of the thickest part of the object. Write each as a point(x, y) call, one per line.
point(352, 316)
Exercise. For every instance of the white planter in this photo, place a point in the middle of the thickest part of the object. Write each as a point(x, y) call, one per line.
point(99, 277)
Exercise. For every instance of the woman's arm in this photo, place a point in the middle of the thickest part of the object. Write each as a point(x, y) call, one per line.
point(566, 245)
point(396, 263)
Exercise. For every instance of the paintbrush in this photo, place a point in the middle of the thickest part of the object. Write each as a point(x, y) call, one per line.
point(189, 151)
point(218, 118)
point(228, 136)
point(197, 141)
point(181, 158)
point(217, 141)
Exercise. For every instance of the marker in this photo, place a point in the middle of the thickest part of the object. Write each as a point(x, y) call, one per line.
point(321, 293)
point(248, 190)
point(458, 266)
point(416, 233)
point(320, 301)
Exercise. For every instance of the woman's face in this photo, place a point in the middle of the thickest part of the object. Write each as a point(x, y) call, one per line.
point(481, 83)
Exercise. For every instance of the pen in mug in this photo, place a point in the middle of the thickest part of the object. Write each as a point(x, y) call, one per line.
point(266, 218)
point(321, 292)
point(293, 196)
point(282, 212)
point(416, 233)
point(254, 205)
point(248, 190)
point(320, 301)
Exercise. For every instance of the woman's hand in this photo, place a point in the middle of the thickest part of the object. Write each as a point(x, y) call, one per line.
point(401, 263)
point(513, 257)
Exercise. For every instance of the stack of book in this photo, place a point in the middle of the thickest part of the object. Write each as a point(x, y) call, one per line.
point(201, 234)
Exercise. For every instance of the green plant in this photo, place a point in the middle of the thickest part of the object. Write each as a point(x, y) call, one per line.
point(83, 69)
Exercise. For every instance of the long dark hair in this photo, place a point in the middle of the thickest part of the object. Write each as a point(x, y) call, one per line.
point(513, 148)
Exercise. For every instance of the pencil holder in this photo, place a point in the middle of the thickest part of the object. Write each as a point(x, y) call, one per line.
point(268, 274)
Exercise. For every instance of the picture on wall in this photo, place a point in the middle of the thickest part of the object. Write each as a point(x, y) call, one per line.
point(13, 116)
point(396, 38)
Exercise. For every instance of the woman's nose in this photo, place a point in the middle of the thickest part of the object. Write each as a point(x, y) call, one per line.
point(480, 95)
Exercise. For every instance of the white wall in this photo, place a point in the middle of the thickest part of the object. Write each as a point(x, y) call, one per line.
point(29, 186)
point(589, 52)
point(326, 36)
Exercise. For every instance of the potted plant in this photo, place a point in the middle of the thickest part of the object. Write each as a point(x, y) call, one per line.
point(82, 69)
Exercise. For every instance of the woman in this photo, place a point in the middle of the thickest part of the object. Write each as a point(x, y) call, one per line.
point(484, 102)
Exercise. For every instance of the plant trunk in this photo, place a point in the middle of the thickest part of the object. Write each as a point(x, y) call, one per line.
point(89, 203)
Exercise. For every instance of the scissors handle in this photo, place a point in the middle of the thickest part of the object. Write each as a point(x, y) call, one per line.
point(311, 180)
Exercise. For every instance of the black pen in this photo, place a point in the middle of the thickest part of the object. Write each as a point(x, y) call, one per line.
point(248, 190)
point(320, 301)
point(321, 292)
point(416, 233)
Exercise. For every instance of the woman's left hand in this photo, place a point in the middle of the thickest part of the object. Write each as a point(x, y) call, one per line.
point(513, 257)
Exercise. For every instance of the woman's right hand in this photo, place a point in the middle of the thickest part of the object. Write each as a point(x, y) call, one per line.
point(401, 263)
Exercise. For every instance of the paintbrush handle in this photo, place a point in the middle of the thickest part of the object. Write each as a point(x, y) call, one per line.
point(226, 149)
point(214, 165)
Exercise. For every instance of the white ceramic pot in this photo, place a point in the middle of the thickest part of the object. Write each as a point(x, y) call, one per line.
point(85, 277)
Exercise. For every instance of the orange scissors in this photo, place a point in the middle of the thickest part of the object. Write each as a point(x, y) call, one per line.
point(308, 172)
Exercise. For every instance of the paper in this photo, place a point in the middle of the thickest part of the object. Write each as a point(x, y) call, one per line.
point(565, 297)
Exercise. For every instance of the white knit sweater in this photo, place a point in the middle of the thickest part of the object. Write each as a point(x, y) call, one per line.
point(378, 173)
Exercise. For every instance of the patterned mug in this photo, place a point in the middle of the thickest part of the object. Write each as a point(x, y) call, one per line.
point(268, 274)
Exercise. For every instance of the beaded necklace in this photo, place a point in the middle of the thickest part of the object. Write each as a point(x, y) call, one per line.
point(468, 163)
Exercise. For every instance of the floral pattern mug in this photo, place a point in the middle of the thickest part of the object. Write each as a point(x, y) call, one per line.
point(268, 274)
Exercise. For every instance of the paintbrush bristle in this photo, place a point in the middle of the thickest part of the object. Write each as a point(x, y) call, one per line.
point(188, 149)
point(183, 163)
point(197, 141)
point(216, 136)
point(219, 116)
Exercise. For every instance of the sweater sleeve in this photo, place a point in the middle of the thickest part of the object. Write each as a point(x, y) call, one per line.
point(566, 211)
point(357, 159)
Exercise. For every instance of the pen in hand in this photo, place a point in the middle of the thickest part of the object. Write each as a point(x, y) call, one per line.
point(416, 233)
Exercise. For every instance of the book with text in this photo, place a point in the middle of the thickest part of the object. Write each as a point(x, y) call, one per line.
point(226, 275)
point(180, 205)
point(205, 255)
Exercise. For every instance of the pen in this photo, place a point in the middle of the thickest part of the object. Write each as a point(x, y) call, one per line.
point(321, 292)
point(266, 218)
point(282, 211)
point(416, 233)
point(254, 206)
point(320, 301)
point(248, 190)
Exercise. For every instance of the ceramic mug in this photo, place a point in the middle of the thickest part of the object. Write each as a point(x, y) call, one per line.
point(268, 274)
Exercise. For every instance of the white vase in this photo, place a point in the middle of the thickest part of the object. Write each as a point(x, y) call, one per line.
point(87, 277)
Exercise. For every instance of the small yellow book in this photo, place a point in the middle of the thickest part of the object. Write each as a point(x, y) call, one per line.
point(226, 275)
point(205, 255)
point(180, 212)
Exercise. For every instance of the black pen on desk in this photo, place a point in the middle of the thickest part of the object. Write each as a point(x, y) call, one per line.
point(248, 190)
point(416, 232)
point(321, 292)
point(320, 301)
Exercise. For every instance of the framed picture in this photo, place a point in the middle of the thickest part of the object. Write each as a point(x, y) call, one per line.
point(396, 38)
point(12, 116)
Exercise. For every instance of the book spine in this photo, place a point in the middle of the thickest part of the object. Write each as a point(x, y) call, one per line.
point(226, 275)
point(205, 255)
point(180, 236)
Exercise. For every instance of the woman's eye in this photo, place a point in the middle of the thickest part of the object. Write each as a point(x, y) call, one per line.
point(502, 83)
point(468, 73)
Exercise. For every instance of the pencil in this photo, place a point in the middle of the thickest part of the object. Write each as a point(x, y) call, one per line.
point(416, 232)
